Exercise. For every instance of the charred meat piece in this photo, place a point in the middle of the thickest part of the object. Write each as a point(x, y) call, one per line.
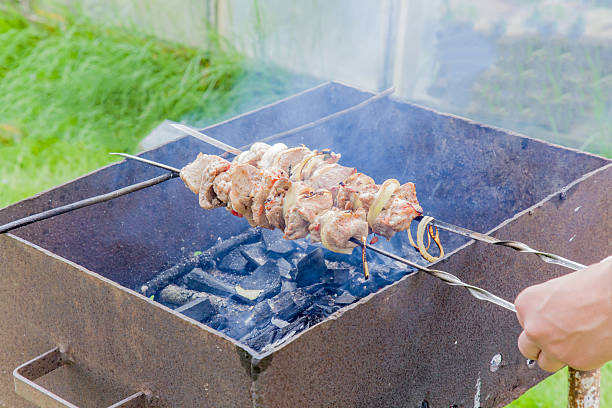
point(223, 185)
point(262, 191)
point(329, 176)
point(289, 158)
point(253, 155)
point(274, 204)
point(207, 196)
point(199, 175)
point(398, 213)
point(338, 226)
point(357, 191)
point(295, 226)
point(245, 179)
point(191, 174)
point(308, 206)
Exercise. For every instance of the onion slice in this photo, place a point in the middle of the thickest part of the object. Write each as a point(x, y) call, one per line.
point(381, 199)
point(331, 247)
point(296, 172)
point(290, 199)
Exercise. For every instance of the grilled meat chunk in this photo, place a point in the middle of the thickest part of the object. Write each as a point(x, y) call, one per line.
point(261, 192)
point(288, 158)
point(274, 204)
point(398, 213)
point(253, 155)
point(244, 179)
point(329, 176)
point(207, 196)
point(357, 191)
point(191, 174)
point(338, 226)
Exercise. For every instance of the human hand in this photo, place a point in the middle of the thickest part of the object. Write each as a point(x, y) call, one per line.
point(568, 320)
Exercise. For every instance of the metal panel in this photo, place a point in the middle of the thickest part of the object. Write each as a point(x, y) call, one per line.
point(417, 339)
point(120, 342)
point(421, 340)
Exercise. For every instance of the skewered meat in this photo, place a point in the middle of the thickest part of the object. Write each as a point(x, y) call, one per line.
point(253, 155)
point(270, 177)
point(302, 205)
point(338, 226)
point(303, 192)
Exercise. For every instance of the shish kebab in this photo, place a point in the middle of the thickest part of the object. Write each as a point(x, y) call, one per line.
point(448, 278)
point(516, 245)
point(256, 172)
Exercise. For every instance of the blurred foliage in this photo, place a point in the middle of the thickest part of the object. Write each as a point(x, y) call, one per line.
point(556, 89)
point(71, 91)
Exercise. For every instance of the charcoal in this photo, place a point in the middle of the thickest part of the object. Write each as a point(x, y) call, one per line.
point(279, 323)
point(177, 295)
point(295, 258)
point(352, 258)
point(288, 305)
point(288, 286)
point(323, 307)
point(345, 298)
point(274, 242)
point(382, 274)
point(234, 263)
point(169, 275)
point(222, 248)
point(301, 243)
point(263, 283)
point(360, 287)
point(311, 268)
point(200, 309)
point(255, 254)
point(285, 269)
point(205, 281)
point(260, 315)
point(239, 325)
point(339, 273)
point(258, 339)
point(217, 322)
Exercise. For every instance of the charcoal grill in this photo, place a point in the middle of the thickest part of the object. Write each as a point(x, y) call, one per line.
point(66, 280)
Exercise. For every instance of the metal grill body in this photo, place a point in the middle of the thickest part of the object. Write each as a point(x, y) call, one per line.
point(67, 280)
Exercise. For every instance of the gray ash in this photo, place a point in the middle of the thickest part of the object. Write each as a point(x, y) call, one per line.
point(260, 289)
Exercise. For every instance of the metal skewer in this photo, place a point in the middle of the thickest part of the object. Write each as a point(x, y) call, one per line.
point(85, 203)
point(516, 245)
point(446, 277)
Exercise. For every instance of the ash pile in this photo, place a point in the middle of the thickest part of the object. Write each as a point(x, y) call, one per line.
point(261, 289)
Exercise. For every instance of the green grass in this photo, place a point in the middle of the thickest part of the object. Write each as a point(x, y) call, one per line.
point(72, 91)
point(552, 392)
point(556, 89)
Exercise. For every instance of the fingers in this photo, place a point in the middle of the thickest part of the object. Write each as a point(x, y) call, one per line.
point(527, 347)
point(532, 351)
point(549, 363)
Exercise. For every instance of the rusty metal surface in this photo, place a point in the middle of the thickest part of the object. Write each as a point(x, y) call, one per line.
point(416, 340)
point(120, 342)
point(583, 388)
point(420, 340)
point(25, 375)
